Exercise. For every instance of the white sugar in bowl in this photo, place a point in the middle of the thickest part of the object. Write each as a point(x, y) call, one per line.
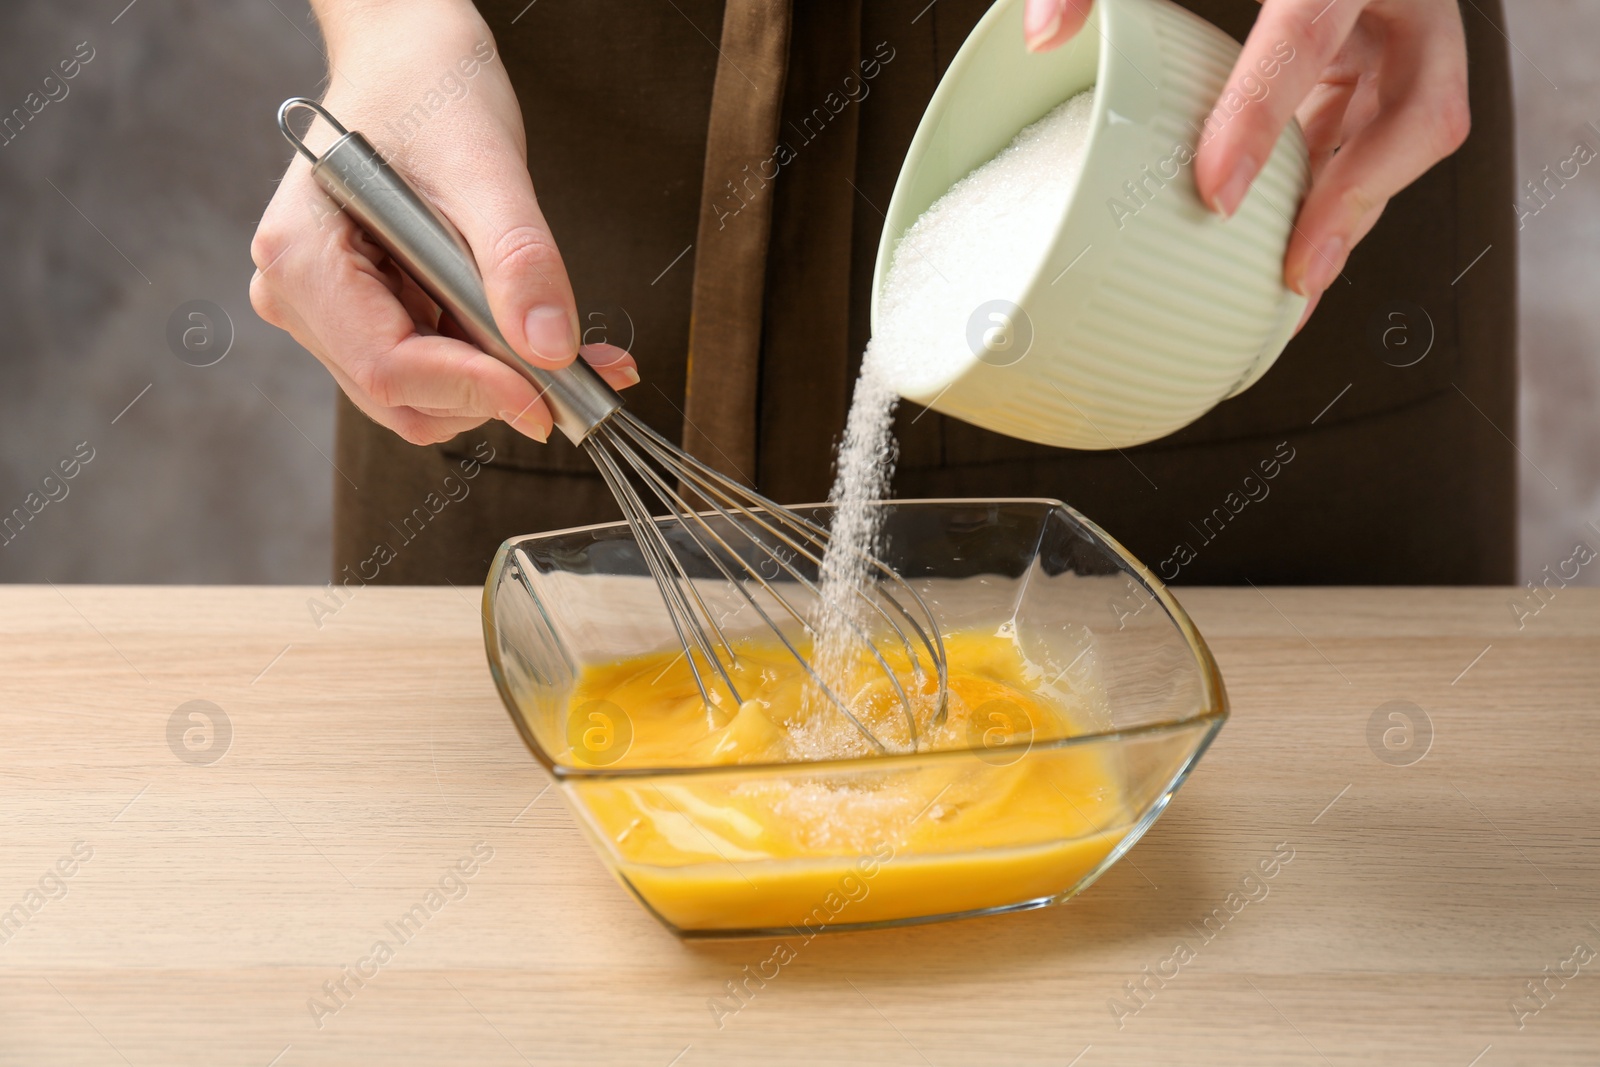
point(1146, 309)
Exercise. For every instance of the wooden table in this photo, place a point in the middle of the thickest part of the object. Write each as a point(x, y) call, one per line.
point(210, 899)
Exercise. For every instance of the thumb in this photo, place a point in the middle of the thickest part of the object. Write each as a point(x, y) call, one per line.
point(526, 281)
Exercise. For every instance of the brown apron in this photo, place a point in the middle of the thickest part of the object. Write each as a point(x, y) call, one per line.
point(1352, 460)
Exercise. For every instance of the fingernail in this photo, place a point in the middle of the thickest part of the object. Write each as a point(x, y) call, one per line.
point(1305, 316)
point(631, 374)
point(527, 427)
point(1323, 266)
point(549, 332)
point(1233, 191)
point(1041, 22)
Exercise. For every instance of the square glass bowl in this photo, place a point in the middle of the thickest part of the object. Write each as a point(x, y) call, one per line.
point(1014, 819)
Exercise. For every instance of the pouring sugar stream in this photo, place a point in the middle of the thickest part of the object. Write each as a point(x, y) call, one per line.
point(923, 326)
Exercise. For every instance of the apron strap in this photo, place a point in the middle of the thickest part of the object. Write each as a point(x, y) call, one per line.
point(720, 393)
point(816, 311)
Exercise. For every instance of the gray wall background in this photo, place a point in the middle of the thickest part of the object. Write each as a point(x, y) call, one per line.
point(135, 193)
point(139, 191)
point(1558, 96)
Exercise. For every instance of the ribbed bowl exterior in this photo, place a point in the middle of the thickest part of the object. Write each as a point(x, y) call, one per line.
point(1149, 309)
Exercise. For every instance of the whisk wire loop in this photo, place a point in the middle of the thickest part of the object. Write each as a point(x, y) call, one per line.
point(665, 569)
point(742, 534)
point(694, 524)
point(710, 483)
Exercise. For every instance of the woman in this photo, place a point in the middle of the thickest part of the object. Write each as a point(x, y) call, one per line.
point(644, 128)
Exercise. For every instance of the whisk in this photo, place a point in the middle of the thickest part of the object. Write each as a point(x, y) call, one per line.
point(725, 531)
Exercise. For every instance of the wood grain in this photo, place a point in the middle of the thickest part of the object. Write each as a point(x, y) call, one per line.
point(369, 754)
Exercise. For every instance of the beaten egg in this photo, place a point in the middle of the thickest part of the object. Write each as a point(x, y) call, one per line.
point(990, 809)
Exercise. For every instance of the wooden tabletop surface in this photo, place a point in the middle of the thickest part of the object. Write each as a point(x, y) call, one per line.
point(182, 900)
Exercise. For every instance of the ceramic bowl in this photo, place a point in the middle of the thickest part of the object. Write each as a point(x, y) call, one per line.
point(1148, 309)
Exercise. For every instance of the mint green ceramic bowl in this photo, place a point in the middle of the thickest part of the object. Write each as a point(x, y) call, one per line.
point(1148, 309)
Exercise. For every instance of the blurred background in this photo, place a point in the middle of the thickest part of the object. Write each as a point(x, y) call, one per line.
point(129, 203)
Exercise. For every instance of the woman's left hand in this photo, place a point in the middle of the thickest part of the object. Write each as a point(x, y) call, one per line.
point(1379, 87)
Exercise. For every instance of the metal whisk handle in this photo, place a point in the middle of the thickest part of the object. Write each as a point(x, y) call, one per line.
point(427, 247)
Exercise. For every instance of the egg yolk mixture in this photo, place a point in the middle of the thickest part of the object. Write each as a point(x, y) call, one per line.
point(999, 818)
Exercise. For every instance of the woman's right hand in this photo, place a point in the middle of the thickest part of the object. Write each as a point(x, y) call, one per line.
point(422, 81)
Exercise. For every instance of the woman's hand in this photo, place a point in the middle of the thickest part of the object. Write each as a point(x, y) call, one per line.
point(422, 81)
point(1379, 87)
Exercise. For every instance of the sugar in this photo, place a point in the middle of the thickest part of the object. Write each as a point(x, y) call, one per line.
point(865, 466)
point(984, 240)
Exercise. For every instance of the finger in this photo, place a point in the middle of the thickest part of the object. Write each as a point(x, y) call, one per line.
point(615, 364)
point(286, 244)
point(441, 374)
point(490, 198)
point(424, 423)
point(418, 304)
point(1048, 24)
point(370, 249)
point(393, 278)
point(1424, 119)
point(1290, 45)
point(416, 427)
point(1311, 305)
point(1322, 119)
point(1365, 104)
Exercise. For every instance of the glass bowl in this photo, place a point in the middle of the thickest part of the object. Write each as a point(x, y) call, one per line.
point(1018, 817)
